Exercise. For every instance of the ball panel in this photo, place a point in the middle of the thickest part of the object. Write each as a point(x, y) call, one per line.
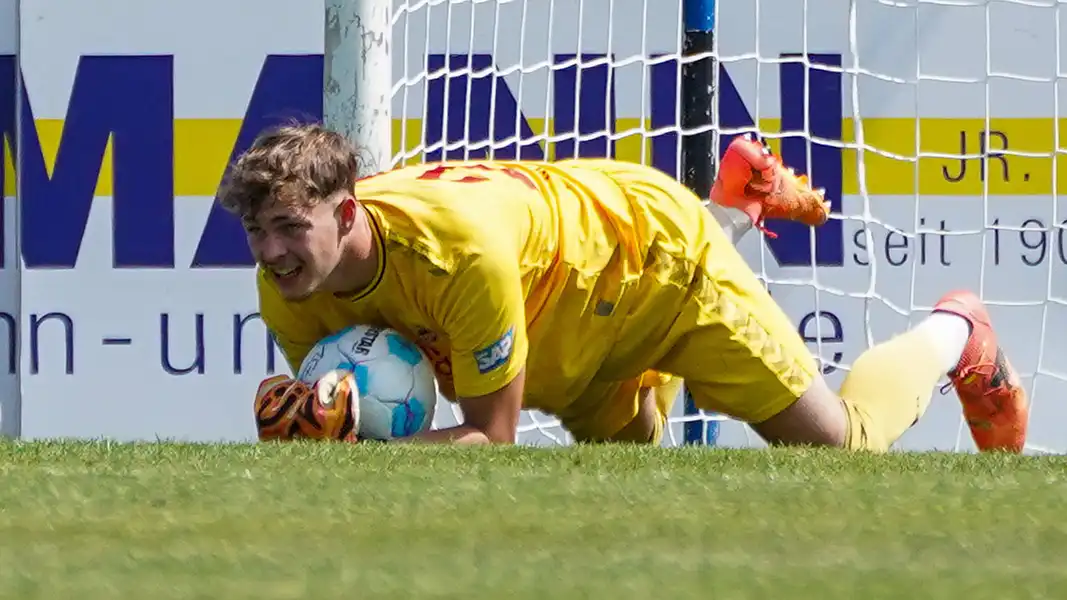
point(404, 349)
point(375, 419)
point(388, 377)
point(407, 419)
point(362, 376)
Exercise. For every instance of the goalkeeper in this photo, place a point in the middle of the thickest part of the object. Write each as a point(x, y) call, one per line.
point(588, 289)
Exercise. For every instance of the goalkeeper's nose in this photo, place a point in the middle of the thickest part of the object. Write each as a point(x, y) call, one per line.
point(268, 247)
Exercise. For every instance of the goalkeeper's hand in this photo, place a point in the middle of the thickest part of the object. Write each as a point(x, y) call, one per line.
point(287, 408)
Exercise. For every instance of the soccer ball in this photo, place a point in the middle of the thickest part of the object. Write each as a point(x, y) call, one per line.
point(395, 380)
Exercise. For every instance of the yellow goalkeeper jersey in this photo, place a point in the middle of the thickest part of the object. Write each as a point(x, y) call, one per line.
point(494, 265)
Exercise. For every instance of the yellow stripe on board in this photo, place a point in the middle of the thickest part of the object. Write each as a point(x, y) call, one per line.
point(202, 148)
point(999, 174)
point(7, 168)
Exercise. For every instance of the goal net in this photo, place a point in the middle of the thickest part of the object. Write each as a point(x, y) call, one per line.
point(933, 125)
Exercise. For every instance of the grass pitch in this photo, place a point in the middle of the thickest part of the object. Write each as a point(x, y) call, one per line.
point(95, 521)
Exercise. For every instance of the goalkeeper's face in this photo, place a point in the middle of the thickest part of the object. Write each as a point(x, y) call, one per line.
point(298, 246)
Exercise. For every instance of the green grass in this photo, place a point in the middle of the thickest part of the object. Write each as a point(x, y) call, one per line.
point(91, 520)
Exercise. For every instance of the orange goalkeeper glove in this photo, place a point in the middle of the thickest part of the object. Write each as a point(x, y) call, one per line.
point(288, 408)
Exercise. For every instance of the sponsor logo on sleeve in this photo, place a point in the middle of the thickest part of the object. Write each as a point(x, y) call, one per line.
point(496, 354)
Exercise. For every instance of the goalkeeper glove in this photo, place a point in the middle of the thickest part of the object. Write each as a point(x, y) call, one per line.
point(288, 408)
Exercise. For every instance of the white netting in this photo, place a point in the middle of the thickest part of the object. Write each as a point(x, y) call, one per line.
point(934, 126)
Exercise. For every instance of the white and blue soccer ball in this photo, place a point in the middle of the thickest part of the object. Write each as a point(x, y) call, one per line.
point(395, 380)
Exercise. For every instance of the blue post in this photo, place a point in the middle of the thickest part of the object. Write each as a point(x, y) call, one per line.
point(699, 17)
point(698, 149)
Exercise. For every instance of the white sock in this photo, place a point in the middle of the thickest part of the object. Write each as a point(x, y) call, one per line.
point(734, 222)
point(949, 333)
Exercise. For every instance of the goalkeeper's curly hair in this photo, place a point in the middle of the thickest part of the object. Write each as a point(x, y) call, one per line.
point(288, 409)
point(298, 164)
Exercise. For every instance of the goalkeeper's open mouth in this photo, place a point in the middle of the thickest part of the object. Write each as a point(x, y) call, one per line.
point(286, 276)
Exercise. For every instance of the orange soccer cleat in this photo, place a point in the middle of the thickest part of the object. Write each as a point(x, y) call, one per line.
point(994, 402)
point(755, 181)
point(288, 409)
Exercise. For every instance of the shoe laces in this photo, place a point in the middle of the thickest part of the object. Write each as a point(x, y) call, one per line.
point(986, 370)
point(787, 194)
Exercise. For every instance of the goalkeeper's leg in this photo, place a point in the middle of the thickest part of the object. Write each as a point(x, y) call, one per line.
point(751, 185)
point(633, 410)
point(740, 355)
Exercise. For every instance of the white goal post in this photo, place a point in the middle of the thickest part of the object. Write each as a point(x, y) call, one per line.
point(933, 125)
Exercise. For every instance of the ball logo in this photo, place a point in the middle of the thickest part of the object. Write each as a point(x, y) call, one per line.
point(496, 354)
point(311, 362)
point(366, 341)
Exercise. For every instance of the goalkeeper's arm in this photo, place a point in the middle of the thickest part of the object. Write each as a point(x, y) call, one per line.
point(488, 419)
point(481, 309)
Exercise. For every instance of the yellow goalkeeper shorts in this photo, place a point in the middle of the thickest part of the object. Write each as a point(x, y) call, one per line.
point(719, 330)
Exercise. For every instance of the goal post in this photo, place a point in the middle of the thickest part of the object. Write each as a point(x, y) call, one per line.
point(358, 78)
point(699, 148)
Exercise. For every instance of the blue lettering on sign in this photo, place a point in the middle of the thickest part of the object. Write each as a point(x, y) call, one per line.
point(288, 88)
point(584, 104)
point(103, 104)
point(50, 337)
point(491, 100)
point(130, 100)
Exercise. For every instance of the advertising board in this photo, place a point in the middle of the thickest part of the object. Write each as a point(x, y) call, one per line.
point(137, 306)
